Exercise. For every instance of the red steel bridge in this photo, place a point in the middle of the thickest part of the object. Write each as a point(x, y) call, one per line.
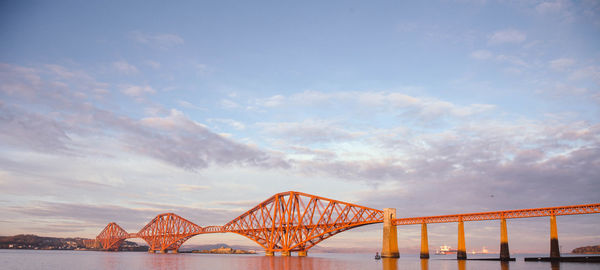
point(295, 221)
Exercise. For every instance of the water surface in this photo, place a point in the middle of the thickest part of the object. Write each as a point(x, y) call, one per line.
point(47, 259)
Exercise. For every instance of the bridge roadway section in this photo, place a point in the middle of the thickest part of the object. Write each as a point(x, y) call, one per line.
point(295, 221)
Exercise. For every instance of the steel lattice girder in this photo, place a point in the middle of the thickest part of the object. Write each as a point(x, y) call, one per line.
point(521, 213)
point(112, 236)
point(168, 232)
point(294, 221)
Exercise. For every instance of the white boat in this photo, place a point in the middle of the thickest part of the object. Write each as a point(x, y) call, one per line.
point(445, 250)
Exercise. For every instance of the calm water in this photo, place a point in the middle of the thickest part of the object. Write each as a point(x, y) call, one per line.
point(33, 259)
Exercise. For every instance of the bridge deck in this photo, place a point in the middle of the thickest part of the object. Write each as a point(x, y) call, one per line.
point(521, 213)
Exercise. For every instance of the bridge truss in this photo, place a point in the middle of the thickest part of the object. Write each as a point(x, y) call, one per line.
point(296, 221)
point(521, 213)
point(289, 221)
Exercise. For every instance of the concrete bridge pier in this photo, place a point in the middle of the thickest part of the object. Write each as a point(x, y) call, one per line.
point(390, 235)
point(554, 248)
point(461, 252)
point(269, 253)
point(302, 253)
point(424, 242)
point(285, 253)
point(504, 253)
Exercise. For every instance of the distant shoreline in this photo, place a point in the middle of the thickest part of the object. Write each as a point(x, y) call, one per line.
point(587, 250)
point(223, 250)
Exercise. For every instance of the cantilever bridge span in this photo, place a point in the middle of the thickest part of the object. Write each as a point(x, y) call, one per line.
point(286, 222)
point(295, 221)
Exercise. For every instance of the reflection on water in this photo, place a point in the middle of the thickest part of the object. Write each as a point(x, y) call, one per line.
point(390, 263)
point(31, 259)
point(424, 264)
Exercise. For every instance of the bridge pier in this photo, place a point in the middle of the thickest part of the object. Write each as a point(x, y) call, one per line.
point(390, 235)
point(285, 253)
point(269, 253)
point(554, 247)
point(424, 242)
point(504, 253)
point(302, 253)
point(461, 252)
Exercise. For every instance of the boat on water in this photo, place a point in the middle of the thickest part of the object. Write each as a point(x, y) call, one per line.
point(443, 250)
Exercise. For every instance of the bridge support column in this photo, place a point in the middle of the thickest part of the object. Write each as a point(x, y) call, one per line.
point(302, 253)
point(390, 235)
point(285, 253)
point(424, 242)
point(269, 253)
point(554, 248)
point(461, 252)
point(504, 253)
point(163, 251)
point(175, 251)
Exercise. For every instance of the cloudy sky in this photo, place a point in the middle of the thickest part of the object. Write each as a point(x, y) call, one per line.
point(115, 111)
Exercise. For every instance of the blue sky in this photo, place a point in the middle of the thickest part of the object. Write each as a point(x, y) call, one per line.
point(116, 111)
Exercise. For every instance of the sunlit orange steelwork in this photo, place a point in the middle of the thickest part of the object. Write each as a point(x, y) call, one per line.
point(295, 221)
point(112, 237)
point(521, 213)
point(289, 221)
point(167, 232)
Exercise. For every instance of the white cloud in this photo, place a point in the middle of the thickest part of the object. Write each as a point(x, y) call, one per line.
point(230, 122)
point(310, 131)
point(186, 187)
point(163, 40)
point(189, 105)
point(589, 72)
point(481, 55)
point(511, 60)
point(507, 36)
point(418, 107)
point(561, 63)
point(203, 69)
point(124, 68)
point(273, 101)
point(229, 104)
point(561, 89)
point(152, 64)
point(137, 90)
point(549, 7)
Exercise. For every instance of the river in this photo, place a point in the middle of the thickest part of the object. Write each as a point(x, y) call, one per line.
point(48, 259)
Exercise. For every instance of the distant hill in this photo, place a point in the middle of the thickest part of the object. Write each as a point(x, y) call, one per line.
point(30, 241)
point(587, 250)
